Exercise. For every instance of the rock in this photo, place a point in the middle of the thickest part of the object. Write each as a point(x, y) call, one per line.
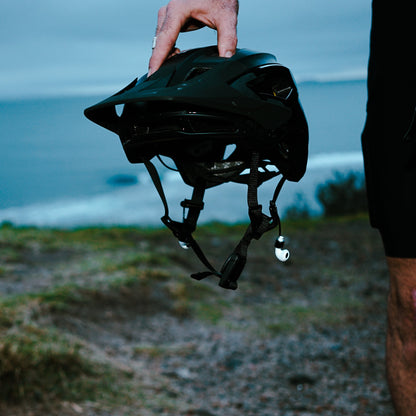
point(198, 412)
point(300, 379)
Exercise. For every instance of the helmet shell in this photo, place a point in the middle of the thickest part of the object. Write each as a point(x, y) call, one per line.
point(197, 103)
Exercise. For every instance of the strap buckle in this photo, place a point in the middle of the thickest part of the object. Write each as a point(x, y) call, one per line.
point(181, 230)
point(231, 270)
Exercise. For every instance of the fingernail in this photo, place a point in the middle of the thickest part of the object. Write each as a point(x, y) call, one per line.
point(228, 54)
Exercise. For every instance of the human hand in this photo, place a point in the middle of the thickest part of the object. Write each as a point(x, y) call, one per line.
point(185, 15)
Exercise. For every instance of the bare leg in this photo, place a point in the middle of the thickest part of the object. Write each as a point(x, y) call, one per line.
point(401, 335)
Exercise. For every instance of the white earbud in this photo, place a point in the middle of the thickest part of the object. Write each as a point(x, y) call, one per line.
point(281, 254)
point(184, 245)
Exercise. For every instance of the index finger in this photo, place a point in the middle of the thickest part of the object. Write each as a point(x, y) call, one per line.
point(165, 41)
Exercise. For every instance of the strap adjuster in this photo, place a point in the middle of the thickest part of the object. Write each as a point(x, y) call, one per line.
point(189, 203)
point(231, 271)
point(182, 231)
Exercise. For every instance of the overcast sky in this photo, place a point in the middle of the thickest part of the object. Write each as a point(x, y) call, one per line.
point(86, 46)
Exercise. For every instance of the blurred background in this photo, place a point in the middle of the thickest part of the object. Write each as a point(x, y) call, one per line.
point(57, 58)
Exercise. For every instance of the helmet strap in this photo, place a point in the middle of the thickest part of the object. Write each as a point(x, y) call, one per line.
point(259, 224)
point(183, 230)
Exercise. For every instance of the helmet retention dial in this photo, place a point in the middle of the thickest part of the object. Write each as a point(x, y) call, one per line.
point(281, 254)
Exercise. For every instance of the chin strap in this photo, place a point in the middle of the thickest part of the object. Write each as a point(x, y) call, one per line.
point(259, 224)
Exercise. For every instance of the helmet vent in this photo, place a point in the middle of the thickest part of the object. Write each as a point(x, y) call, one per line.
point(195, 72)
point(229, 150)
point(119, 109)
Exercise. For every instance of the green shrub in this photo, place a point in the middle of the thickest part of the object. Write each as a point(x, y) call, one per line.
point(34, 361)
point(343, 195)
point(299, 210)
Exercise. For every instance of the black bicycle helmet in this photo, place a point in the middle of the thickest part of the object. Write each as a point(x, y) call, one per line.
point(190, 110)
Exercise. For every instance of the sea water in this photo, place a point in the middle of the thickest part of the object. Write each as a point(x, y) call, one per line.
point(59, 169)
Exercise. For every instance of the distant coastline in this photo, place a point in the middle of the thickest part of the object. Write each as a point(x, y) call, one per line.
point(56, 167)
point(138, 204)
point(101, 91)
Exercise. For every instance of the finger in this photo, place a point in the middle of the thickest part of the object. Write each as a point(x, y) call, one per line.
point(174, 52)
point(166, 39)
point(164, 45)
point(161, 15)
point(227, 36)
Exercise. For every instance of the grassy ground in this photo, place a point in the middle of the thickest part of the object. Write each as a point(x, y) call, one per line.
point(66, 295)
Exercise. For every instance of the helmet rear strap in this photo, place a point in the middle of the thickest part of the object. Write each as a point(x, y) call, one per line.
point(259, 224)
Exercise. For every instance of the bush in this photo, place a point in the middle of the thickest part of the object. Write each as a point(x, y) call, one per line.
point(35, 362)
point(299, 210)
point(344, 195)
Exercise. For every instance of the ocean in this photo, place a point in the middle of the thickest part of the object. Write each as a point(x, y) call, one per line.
point(57, 169)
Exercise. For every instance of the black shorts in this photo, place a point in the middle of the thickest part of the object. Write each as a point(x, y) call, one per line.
point(389, 136)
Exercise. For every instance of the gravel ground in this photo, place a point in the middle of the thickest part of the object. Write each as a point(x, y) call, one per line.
point(210, 370)
point(307, 342)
